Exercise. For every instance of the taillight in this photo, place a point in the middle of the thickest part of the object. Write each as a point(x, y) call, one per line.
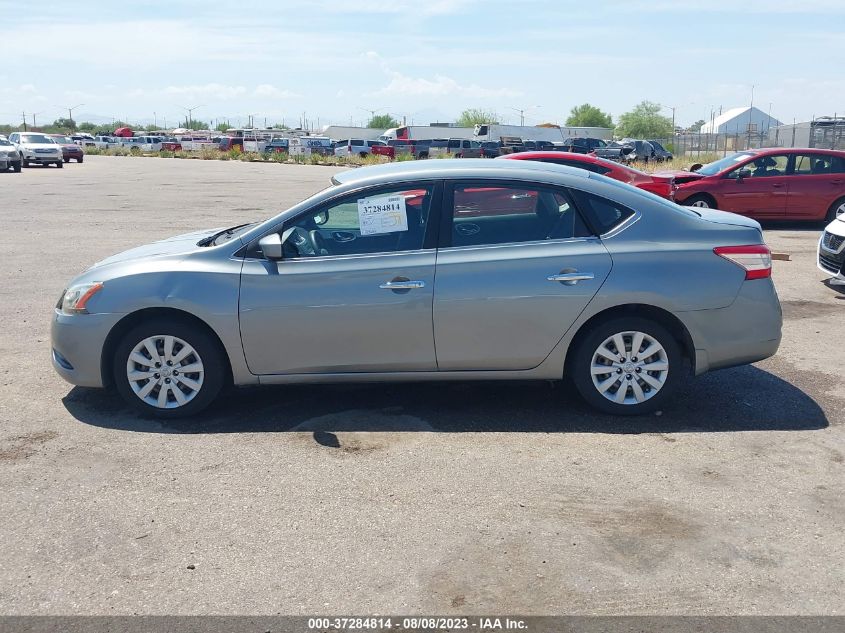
point(755, 259)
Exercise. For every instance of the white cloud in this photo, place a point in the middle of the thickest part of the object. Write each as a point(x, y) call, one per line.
point(440, 86)
point(270, 91)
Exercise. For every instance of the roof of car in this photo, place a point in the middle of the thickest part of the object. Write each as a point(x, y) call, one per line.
point(449, 168)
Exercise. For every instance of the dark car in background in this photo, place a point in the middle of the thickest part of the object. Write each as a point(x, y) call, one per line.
point(70, 150)
point(659, 153)
point(769, 184)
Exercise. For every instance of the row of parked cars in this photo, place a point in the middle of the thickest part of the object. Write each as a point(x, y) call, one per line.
point(22, 149)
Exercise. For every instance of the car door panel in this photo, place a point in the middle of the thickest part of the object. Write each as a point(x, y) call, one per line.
point(332, 315)
point(496, 309)
point(758, 196)
point(814, 185)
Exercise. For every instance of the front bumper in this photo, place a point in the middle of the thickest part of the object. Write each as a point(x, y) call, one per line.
point(42, 159)
point(745, 332)
point(831, 261)
point(77, 346)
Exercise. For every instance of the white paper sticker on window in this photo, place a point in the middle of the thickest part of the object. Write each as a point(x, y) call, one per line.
point(382, 215)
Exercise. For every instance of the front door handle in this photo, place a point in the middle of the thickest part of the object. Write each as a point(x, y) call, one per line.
point(570, 279)
point(402, 284)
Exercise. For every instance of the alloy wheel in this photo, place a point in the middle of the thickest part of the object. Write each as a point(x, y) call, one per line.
point(165, 371)
point(629, 367)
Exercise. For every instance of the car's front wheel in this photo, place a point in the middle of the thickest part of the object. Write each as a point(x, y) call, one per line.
point(168, 369)
point(16, 167)
point(59, 164)
point(627, 366)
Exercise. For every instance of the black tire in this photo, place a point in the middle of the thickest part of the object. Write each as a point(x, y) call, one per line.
point(207, 348)
point(580, 366)
point(700, 200)
point(66, 160)
point(16, 167)
point(831, 212)
point(26, 163)
point(362, 154)
point(79, 160)
point(60, 164)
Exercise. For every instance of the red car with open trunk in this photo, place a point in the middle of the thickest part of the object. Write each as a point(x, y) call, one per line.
point(661, 185)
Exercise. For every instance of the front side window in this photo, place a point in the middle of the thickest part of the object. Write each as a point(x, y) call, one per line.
point(378, 221)
point(485, 214)
point(765, 167)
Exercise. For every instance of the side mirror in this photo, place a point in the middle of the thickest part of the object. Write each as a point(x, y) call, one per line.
point(743, 173)
point(271, 246)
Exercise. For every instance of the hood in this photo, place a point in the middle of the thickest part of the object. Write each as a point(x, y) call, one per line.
point(724, 217)
point(680, 175)
point(177, 245)
point(40, 145)
point(837, 227)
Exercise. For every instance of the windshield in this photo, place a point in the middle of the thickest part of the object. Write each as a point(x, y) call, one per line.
point(36, 138)
point(711, 169)
point(4, 142)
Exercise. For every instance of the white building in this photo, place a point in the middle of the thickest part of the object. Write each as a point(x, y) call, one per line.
point(740, 121)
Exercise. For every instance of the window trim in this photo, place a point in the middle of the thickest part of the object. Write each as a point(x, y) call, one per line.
point(447, 209)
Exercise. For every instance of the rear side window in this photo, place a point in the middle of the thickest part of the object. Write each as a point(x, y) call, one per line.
point(487, 213)
point(602, 214)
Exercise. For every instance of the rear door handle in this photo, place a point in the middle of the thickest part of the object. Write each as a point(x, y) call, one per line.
point(402, 284)
point(570, 279)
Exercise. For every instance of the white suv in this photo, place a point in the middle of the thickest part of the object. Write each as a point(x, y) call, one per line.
point(37, 148)
point(831, 251)
point(355, 146)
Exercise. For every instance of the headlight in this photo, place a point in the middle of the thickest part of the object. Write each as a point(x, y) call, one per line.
point(76, 297)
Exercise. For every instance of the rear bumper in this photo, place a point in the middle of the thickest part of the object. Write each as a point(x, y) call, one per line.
point(747, 331)
point(77, 346)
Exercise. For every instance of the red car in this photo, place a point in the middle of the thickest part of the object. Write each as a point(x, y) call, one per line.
point(770, 184)
point(662, 185)
point(70, 150)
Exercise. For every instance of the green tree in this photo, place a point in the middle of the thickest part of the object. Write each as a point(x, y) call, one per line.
point(644, 121)
point(222, 127)
point(85, 126)
point(696, 127)
point(382, 122)
point(64, 124)
point(475, 116)
point(586, 115)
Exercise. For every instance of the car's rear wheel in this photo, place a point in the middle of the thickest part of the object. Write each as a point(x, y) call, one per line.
point(26, 163)
point(168, 369)
point(627, 366)
point(79, 160)
point(700, 200)
point(16, 167)
point(59, 164)
point(837, 210)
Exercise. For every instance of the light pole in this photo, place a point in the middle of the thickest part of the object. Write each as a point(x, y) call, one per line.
point(70, 112)
point(372, 112)
point(190, 112)
point(522, 112)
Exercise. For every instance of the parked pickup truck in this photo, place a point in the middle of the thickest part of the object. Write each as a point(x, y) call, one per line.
point(418, 148)
point(457, 147)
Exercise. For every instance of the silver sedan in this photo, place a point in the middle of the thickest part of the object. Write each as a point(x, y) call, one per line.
point(435, 270)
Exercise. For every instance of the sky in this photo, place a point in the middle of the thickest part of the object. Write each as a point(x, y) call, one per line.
point(334, 61)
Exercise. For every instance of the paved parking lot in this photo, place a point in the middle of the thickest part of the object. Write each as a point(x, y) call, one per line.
point(440, 498)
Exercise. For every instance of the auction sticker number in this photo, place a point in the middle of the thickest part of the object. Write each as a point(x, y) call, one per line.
point(386, 214)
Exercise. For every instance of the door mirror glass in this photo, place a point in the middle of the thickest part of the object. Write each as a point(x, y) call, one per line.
point(321, 218)
point(271, 246)
point(743, 173)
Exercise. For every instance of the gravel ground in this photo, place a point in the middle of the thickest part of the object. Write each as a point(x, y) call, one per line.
point(450, 498)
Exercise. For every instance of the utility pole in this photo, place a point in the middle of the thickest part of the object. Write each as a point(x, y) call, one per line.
point(23, 116)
